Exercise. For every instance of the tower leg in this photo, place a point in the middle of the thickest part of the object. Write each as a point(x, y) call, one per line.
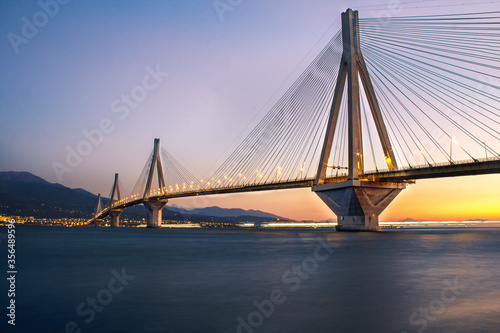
point(115, 217)
point(358, 204)
point(154, 208)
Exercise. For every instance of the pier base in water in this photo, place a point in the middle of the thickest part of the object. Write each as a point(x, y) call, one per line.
point(154, 208)
point(115, 217)
point(358, 204)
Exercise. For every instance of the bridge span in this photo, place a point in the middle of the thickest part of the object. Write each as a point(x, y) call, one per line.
point(356, 129)
point(402, 176)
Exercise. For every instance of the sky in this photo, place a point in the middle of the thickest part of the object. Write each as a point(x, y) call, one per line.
point(202, 73)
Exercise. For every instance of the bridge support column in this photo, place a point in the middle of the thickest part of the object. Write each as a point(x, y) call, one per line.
point(154, 208)
point(358, 204)
point(115, 217)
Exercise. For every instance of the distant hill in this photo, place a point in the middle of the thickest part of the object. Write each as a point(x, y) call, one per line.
point(24, 194)
point(84, 192)
point(223, 212)
point(23, 177)
point(408, 219)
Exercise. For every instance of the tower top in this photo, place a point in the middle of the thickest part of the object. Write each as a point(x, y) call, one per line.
point(352, 69)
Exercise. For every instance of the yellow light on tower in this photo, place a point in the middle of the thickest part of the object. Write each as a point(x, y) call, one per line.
point(389, 162)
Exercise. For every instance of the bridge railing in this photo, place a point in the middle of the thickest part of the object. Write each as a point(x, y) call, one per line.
point(423, 166)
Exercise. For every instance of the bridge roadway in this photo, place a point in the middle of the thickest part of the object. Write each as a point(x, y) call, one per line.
point(236, 189)
point(459, 168)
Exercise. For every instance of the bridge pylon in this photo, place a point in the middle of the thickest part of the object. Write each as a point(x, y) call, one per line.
point(154, 205)
point(115, 196)
point(98, 208)
point(356, 202)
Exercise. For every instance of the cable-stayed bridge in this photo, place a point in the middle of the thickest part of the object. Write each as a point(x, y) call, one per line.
point(379, 107)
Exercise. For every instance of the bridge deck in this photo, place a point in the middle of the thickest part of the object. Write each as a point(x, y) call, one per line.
point(463, 168)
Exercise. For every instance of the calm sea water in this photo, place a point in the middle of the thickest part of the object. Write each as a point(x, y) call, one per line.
point(142, 280)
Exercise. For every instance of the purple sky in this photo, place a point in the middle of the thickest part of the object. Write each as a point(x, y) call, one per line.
point(221, 72)
point(70, 75)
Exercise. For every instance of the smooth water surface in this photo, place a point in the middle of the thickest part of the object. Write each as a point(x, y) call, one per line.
point(255, 280)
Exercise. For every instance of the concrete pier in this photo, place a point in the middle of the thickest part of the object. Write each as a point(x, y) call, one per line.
point(358, 204)
point(115, 217)
point(154, 208)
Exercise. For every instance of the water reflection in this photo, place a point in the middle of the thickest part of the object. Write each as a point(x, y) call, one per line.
point(214, 280)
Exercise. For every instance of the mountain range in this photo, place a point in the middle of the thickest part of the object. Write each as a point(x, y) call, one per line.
point(24, 194)
point(221, 212)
